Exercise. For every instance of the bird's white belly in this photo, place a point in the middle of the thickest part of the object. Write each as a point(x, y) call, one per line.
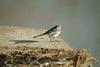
point(57, 34)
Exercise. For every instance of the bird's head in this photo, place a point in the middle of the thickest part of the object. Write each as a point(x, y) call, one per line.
point(58, 26)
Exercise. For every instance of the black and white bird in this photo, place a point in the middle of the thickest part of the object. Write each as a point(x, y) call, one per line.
point(52, 33)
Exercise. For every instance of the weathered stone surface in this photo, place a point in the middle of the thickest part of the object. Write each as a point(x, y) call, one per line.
point(17, 36)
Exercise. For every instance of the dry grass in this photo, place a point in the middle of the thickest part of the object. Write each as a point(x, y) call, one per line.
point(46, 57)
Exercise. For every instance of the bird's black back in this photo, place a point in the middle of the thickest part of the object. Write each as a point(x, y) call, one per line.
point(51, 30)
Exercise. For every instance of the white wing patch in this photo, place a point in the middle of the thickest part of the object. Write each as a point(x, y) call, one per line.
point(57, 33)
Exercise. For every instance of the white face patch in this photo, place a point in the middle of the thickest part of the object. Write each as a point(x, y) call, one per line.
point(59, 27)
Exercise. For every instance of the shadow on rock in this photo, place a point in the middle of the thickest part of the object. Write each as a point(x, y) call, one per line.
point(23, 41)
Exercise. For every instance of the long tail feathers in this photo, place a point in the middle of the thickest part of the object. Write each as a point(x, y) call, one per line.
point(38, 35)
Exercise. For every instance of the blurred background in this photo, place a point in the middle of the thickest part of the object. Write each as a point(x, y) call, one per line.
point(80, 19)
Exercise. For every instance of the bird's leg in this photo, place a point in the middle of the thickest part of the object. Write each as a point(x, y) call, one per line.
point(50, 38)
point(53, 38)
